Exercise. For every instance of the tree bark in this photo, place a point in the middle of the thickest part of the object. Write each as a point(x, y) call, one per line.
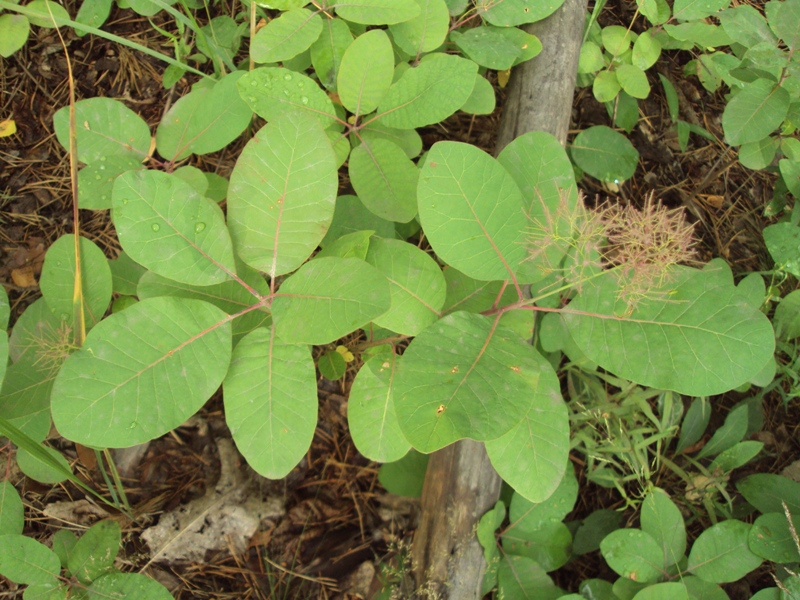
point(461, 484)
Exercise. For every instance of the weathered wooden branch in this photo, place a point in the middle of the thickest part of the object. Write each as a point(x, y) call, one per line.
point(461, 484)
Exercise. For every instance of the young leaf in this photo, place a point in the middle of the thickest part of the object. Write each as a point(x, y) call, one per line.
point(105, 128)
point(328, 50)
point(332, 365)
point(472, 211)
point(485, 532)
point(292, 33)
point(205, 120)
point(95, 551)
point(366, 72)
point(385, 179)
point(518, 12)
point(328, 298)
point(633, 80)
point(605, 154)
point(131, 586)
point(694, 423)
point(606, 86)
point(166, 226)
point(532, 457)
point(429, 92)
point(376, 12)
point(176, 349)
point(482, 100)
point(282, 193)
point(425, 32)
point(371, 413)
point(416, 283)
point(454, 371)
point(58, 279)
point(664, 522)
point(695, 335)
point(633, 554)
point(274, 91)
point(646, 50)
point(721, 554)
point(755, 112)
point(12, 513)
point(26, 561)
point(270, 396)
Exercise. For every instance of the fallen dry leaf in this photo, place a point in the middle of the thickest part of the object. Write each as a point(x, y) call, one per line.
point(23, 277)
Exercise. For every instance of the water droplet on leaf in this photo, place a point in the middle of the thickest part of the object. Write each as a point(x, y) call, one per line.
point(253, 83)
point(304, 100)
point(287, 77)
point(156, 227)
point(199, 226)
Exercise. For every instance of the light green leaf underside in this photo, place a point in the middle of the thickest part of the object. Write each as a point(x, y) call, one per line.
point(328, 298)
point(385, 179)
point(425, 32)
point(328, 50)
point(58, 279)
point(539, 165)
point(282, 194)
point(696, 335)
point(270, 396)
point(370, 411)
point(293, 32)
point(472, 211)
point(366, 72)
point(532, 457)
point(12, 513)
point(274, 91)
point(26, 561)
point(429, 92)
point(464, 377)
point(418, 288)
point(376, 12)
point(165, 225)
point(205, 120)
point(104, 128)
point(142, 372)
point(230, 296)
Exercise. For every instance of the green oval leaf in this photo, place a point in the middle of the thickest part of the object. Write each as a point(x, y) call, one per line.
point(429, 92)
point(274, 91)
point(482, 100)
point(518, 12)
point(287, 36)
point(131, 586)
point(351, 216)
point(376, 12)
point(12, 513)
point(605, 154)
point(14, 31)
point(105, 128)
point(664, 522)
point(721, 554)
point(671, 590)
point(425, 32)
point(58, 279)
point(96, 181)
point(487, 46)
point(385, 179)
point(366, 72)
point(771, 538)
point(472, 211)
point(416, 283)
point(633, 80)
point(332, 365)
point(691, 10)
point(767, 492)
point(205, 120)
point(633, 554)
point(95, 551)
point(166, 226)
point(270, 396)
point(464, 377)
point(176, 349)
point(282, 193)
point(695, 335)
point(755, 112)
point(522, 578)
point(327, 299)
point(371, 413)
point(26, 561)
point(328, 50)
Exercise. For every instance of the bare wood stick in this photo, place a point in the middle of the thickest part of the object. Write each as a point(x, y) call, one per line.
point(461, 484)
